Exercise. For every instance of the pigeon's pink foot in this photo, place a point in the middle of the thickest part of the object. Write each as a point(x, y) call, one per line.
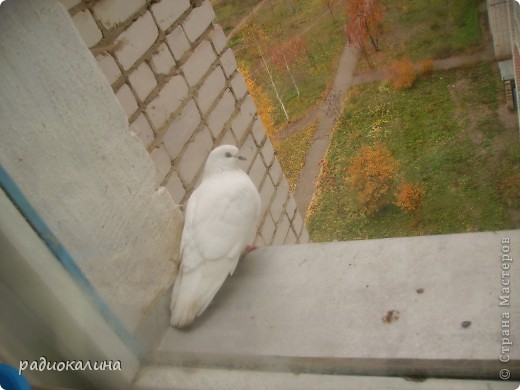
point(248, 249)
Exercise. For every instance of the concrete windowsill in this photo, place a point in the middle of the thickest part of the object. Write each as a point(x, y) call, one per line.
point(320, 308)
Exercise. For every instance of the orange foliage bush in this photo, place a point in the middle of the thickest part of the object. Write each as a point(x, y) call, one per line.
point(372, 174)
point(426, 66)
point(403, 74)
point(409, 198)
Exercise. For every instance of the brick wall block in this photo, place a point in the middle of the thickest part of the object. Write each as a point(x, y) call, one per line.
point(275, 172)
point(268, 153)
point(162, 163)
point(166, 12)
point(241, 122)
point(229, 63)
point(258, 132)
point(181, 129)
point(142, 129)
point(198, 63)
point(291, 238)
point(221, 113)
point(143, 81)
point(175, 187)
point(195, 156)
point(277, 205)
point(113, 12)
point(257, 172)
point(178, 42)
point(136, 40)
point(298, 224)
point(127, 100)
point(162, 61)
point(218, 38)
point(108, 67)
point(238, 85)
point(282, 228)
point(210, 89)
point(167, 101)
point(228, 138)
point(249, 151)
point(304, 237)
point(87, 27)
point(291, 208)
point(198, 21)
point(267, 229)
point(266, 194)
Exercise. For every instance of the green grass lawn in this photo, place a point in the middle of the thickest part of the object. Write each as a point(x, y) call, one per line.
point(426, 29)
point(446, 133)
point(291, 153)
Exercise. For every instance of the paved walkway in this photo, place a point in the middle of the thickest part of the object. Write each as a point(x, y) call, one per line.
point(326, 114)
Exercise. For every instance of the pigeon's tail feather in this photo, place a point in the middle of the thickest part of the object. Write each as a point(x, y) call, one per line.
point(193, 291)
point(184, 305)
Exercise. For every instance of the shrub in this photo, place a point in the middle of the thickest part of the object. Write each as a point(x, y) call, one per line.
point(372, 175)
point(409, 198)
point(403, 74)
point(426, 66)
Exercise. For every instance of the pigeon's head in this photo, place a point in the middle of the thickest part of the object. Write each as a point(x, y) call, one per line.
point(223, 158)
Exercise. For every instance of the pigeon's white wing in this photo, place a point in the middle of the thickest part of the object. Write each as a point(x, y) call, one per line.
point(221, 218)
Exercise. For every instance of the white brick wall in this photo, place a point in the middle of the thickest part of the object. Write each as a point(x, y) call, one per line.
point(87, 27)
point(178, 43)
point(221, 113)
point(181, 129)
point(142, 128)
point(167, 12)
point(143, 81)
point(210, 89)
point(108, 67)
point(218, 38)
point(178, 84)
point(201, 145)
point(198, 63)
point(198, 21)
point(167, 101)
point(162, 61)
point(162, 163)
point(127, 100)
point(114, 12)
point(136, 40)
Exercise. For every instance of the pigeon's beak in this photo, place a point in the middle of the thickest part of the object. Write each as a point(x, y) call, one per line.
point(242, 158)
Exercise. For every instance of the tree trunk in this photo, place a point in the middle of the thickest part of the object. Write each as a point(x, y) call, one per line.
point(274, 85)
point(375, 41)
point(291, 75)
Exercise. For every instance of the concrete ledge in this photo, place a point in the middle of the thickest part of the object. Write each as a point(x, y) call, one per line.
point(167, 378)
point(324, 308)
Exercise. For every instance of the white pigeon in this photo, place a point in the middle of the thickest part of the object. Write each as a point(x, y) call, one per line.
point(221, 218)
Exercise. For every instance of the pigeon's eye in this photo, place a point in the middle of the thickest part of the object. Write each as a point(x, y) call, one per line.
point(228, 154)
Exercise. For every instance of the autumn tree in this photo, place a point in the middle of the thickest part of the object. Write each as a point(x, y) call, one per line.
point(356, 34)
point(263, 103)
point(256, 38)
point(368, 16)
point(372, 174)
point(287, 54)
